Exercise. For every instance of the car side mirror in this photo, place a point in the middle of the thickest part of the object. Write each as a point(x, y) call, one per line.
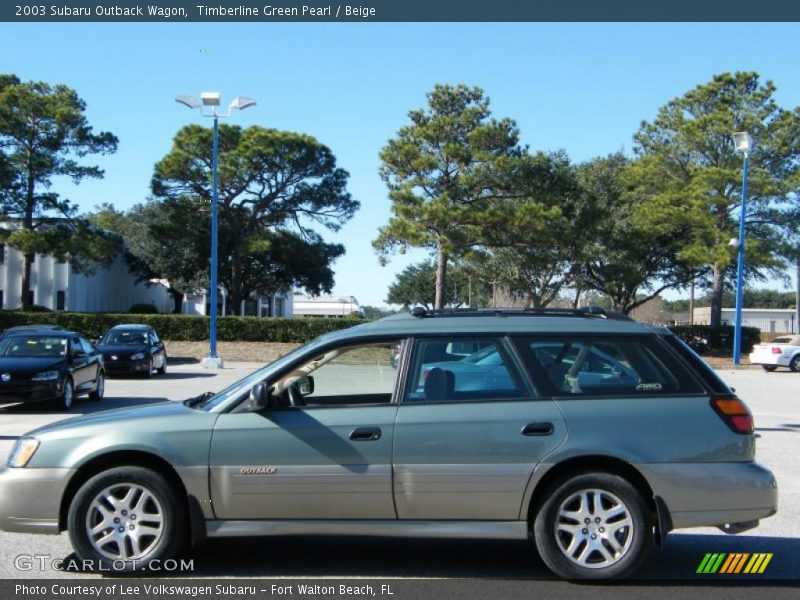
point(306, 385)
point(259, 397)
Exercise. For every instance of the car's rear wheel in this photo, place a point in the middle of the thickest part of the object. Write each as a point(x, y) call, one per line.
point(126, 517)
point(100, 388)
point(794, 364)
point(593, 526)
point(769, 368)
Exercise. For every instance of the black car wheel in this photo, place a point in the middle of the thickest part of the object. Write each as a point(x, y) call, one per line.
point(593, 526)
point(769, 368)
point(100, 388)
point(125, 518)
point(64, 402)
point(162, 370)
point(150, 370)
point(794, 364)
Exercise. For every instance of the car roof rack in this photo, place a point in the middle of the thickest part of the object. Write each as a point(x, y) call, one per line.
point(583, 311)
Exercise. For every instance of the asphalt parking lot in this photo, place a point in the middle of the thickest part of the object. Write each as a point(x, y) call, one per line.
point(774, 399)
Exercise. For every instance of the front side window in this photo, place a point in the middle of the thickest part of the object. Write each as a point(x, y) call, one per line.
point(353, 375)
point(462, 370)
point(628, 366)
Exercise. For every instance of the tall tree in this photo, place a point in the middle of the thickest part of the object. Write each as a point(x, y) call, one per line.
point(270, 182)
point(43, 134)
point(445, 171)
point(689, 165)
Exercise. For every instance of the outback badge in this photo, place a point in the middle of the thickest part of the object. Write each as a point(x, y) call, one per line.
point(258, 470)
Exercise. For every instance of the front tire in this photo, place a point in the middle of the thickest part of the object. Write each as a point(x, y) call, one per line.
point(162, 370)
point(67, 398)
point(126, 517)
point(100, 388)
point(150, 370)
point(593, 526)
point(769, 368)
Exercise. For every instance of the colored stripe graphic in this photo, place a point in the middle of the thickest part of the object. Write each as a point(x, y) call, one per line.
point(728, 564)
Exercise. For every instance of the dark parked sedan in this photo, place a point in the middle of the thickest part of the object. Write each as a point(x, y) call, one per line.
point(52, 366)
point(133, 349)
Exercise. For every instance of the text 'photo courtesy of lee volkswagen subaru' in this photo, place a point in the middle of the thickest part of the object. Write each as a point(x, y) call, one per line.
point(581, 430)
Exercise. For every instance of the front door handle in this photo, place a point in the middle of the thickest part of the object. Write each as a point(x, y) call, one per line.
point(366, 434)
point(544, 428)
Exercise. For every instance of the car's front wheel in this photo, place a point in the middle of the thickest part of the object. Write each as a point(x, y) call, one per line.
point(126, 517)
point(67, 397)
point(593, 526)
point(769, 368)
point(99, 388)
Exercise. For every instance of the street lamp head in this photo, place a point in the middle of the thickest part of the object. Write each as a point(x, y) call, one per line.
point(241, 102)
point(210, 98)
point(733, 243)
point(188, 101)
point(743, 142)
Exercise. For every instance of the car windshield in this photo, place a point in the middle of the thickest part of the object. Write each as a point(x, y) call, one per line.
point(209, 401)
point(33, 346)
point(125, 337)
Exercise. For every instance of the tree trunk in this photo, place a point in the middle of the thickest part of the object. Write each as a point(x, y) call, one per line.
point(716, 295)
point(28, 257)
point(576, 302)
point(441, 268)
point(177, 299)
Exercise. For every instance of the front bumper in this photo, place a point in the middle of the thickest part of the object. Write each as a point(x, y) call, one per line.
point(30, 499)
point(39, 391)
point(713, 494)
point(126, 366)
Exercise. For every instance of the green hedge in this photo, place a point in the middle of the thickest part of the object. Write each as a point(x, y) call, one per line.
point(705, 339)
point(187, 328)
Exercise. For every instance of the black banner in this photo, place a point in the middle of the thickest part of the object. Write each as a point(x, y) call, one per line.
point(277, 11)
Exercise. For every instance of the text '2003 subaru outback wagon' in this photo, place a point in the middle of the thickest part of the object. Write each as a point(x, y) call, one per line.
point(590, 433)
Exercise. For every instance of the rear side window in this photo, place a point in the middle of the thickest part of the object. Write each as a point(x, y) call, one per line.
point(597, 366)
point(462, 370)
point(706, 373)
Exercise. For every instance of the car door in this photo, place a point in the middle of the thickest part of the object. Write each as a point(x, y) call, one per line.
point(469, 432)
point(80, 364)
point(327, 459)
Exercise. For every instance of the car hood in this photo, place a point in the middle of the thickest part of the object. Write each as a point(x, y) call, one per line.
point(161, 410)
point(28, 366)
point(121, 348)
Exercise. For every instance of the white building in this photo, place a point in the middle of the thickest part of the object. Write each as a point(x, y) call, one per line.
point(773, 320)
point(56, 286)
point(327, 306)
point(265, 305)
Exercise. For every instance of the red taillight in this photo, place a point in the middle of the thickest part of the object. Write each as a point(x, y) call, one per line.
point(734, 412)
point(776, 350)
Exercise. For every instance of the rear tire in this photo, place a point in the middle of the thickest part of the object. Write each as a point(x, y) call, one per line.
point(794, 364)
point(126, 517)
point(769, 368)
point(593, 526)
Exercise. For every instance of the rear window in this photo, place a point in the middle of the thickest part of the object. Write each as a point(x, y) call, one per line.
point(600, 366)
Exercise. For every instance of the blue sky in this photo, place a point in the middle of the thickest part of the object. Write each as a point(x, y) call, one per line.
point(581, 87)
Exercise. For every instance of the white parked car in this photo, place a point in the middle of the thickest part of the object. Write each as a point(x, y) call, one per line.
point(783, 351)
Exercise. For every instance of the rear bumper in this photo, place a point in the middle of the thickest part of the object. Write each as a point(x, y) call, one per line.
point(713, 494)
point(762, 358)
point(30, 499)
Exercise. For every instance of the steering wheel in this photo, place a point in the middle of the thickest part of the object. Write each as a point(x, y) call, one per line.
point(295, 397)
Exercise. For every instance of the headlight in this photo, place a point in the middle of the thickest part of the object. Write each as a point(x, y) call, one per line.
point(46, 376)
point(23, 451)
point(137, 356)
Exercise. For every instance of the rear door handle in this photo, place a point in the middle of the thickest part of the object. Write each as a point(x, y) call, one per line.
point(366, 434)
point(544, 428)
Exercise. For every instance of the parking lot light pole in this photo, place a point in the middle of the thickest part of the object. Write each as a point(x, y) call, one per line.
point(210, 101)
point(744, 144)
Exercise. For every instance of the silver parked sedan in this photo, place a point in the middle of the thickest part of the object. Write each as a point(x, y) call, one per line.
point(582, 430)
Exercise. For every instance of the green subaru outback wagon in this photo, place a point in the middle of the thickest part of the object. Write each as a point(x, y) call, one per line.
point(584, 431)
